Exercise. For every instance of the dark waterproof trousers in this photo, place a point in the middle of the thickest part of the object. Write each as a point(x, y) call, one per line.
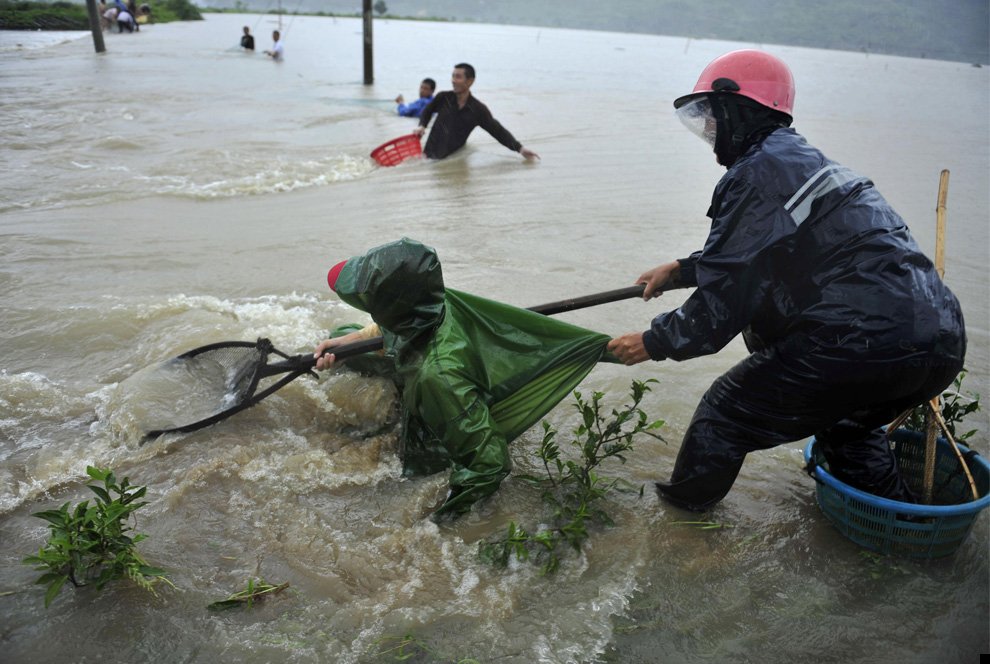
point(787, 393)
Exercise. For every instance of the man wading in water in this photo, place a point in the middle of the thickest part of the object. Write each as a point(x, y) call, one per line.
point(458, 113)
point(847, 322)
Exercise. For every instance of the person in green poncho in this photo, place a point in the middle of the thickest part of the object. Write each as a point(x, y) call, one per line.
point(473, 373)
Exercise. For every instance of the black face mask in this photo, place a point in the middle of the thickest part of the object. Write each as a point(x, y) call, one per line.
point(741, 123)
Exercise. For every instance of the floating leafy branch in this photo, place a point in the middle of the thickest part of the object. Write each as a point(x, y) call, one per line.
point(255, 590)
point(90, 544)
point(573, 490)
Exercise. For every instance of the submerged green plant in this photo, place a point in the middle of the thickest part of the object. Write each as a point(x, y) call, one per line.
point(955, 407)
point(90, 544)
point(407, 646)
point(572, 490)
point(255, 590)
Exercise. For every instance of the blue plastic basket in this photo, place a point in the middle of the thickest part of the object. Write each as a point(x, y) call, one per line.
point(906, 529)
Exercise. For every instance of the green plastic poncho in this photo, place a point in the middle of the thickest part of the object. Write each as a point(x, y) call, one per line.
point(473, 373)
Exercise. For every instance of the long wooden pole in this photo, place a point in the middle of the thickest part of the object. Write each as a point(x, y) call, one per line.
point(943, 193)
point(94, 26)
point(369, 70)
point(934, 408)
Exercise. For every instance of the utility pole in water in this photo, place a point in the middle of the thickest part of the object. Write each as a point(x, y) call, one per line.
point(369, 70)
point(94, 25)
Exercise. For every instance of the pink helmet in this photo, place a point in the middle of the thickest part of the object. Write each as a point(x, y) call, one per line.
point(754, 74)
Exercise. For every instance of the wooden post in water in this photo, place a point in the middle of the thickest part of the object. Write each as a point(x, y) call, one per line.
point(934, 408)
point(369, 70)
point(94, 25)
point(943, 193)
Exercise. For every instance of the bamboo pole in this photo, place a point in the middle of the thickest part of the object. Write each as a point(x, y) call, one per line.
point(934, 407)
point(943, 193)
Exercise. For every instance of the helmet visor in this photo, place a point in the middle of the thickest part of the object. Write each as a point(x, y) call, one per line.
point(697, 116)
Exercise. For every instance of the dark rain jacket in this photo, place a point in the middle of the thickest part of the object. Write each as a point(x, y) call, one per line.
point(474, 374)
point(804, 249)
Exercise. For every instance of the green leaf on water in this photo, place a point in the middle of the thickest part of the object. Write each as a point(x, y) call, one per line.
point(53, 589)
point(255, 590)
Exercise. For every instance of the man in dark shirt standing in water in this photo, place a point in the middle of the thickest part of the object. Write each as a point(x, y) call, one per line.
point(458, 113)
point(247, 41)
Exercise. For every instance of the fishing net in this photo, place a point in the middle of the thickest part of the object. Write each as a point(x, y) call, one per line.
point(211, 383)
point(206, 385)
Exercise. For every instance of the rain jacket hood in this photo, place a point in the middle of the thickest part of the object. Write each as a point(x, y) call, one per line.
point(401, 285)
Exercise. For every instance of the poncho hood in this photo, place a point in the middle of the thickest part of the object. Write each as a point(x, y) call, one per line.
point(400, 284)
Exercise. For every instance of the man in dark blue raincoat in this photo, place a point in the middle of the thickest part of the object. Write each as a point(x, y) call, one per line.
point(848, 323)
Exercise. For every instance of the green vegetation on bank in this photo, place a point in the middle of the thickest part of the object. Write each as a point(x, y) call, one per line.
point(25, 15)
point(42, 16)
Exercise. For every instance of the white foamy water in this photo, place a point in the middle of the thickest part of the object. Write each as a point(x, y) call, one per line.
point(176, 192)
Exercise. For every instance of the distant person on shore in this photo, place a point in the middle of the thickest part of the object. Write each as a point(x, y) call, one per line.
point(414, 109)
point(110, 18)
point(144, 14)
point(122, 17)
point(277, 52)
point(125, 21)
point(247, 41)
point(847, 322)
point(458, 113)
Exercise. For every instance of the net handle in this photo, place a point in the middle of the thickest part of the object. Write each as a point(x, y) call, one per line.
point(592, 300)
point(307, 361)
